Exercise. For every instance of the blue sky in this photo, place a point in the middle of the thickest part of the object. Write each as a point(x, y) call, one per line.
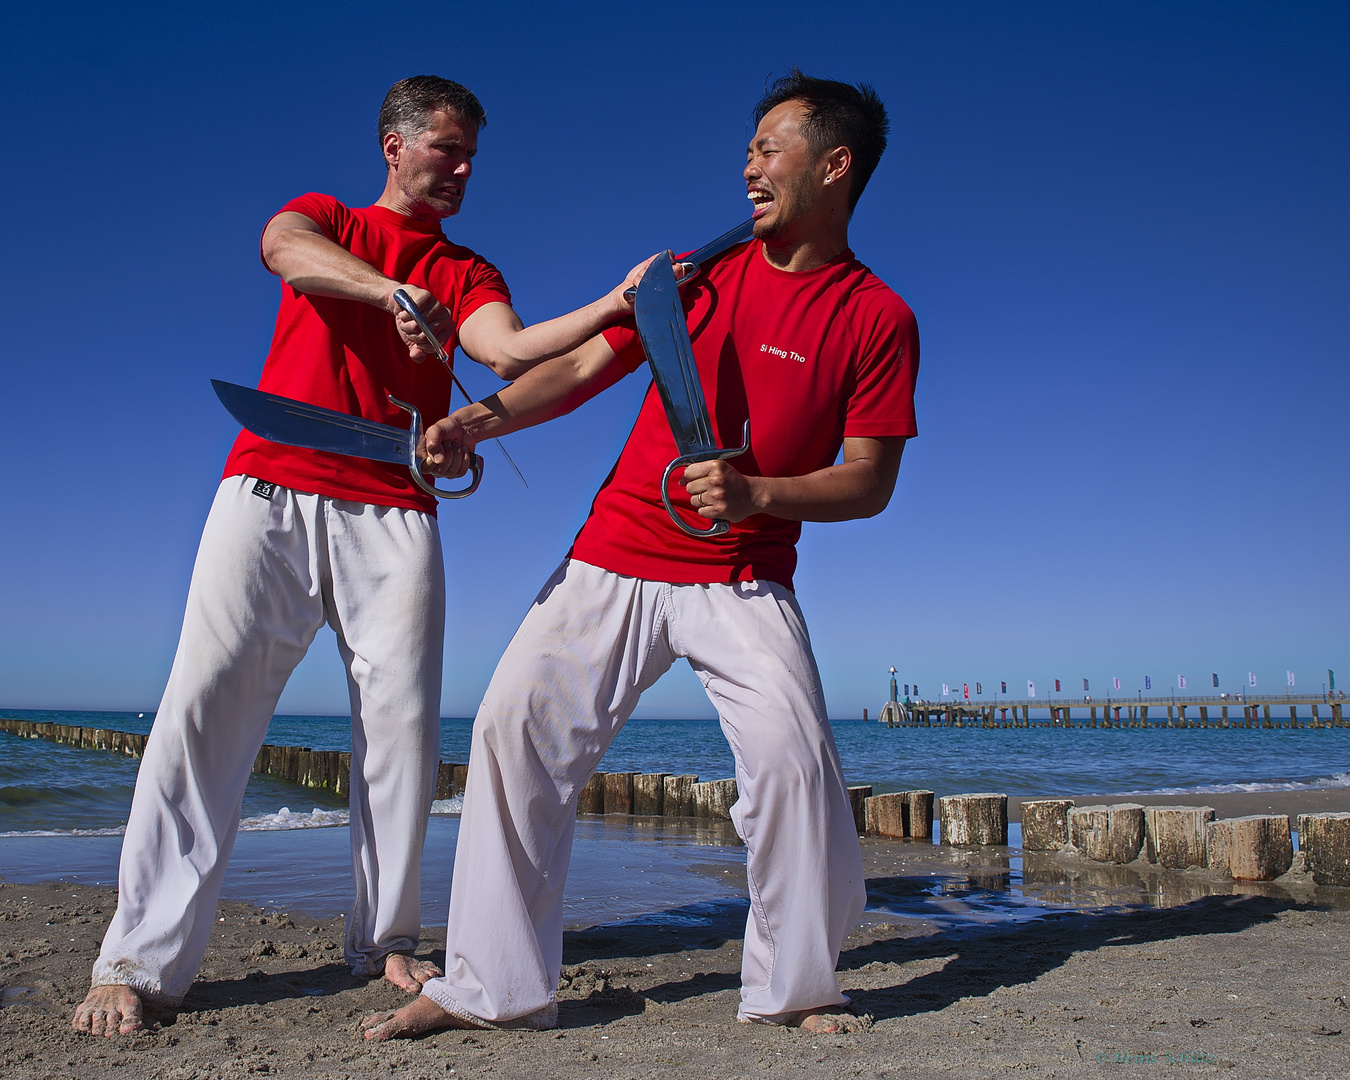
point(1122, 228)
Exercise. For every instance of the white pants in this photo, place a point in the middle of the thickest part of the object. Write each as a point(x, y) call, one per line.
point(269, 574)
point(592, 642)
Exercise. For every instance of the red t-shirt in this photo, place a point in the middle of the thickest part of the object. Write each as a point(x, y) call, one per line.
point(810, 358)
point(346, 355)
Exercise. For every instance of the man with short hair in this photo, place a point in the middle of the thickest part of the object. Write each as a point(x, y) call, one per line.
point(299, 538)
point(791, 332)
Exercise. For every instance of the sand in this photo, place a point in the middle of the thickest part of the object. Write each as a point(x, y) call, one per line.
point(1142, 970)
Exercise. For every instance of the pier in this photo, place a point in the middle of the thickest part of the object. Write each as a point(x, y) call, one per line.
point(1286, 711)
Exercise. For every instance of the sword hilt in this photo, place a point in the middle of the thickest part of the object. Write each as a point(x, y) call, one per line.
point(719, 527)
point(415, 466)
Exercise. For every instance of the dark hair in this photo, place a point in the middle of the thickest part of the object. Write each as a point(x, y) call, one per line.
point(837, 114)
point(410, 102)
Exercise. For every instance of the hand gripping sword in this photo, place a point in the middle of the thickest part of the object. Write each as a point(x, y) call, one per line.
point(665, 340)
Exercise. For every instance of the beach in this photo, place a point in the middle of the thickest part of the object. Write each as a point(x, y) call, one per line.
point(971, 962)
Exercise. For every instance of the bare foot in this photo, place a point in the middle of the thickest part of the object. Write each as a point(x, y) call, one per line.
point(109, 1010)
point(408, 973)
point(420, 1017)
point(832, 1020)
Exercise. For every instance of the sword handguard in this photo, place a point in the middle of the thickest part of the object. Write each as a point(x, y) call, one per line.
point(415, 467)
point(719, 527)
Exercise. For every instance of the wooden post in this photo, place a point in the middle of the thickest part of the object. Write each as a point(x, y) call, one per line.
point(591, 798)
point(864, 714)
point(619, 792)
point(714, 799)
point(1253, 848)
point(969, 820)
point(1293, 716)
point(1224, 721)
point(887, 815)
point(1112, 833)
point(649, 794)
point(1316, 722)
point(445, 788)
point(1204, 716)
point(1265, 714)
point(857, 797)
point(1324, 840)
point(1174, 836)
point(1045, 824)
point(679, 795)
point(921, 814)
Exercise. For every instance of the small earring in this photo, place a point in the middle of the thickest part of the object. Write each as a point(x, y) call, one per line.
point(828, 179)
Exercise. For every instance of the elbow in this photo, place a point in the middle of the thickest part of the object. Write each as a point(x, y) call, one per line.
point(508, 368)
point(876, 500)
point(276, 247)
point(873, 505)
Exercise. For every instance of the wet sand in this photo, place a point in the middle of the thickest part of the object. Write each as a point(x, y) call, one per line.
point(973, 963)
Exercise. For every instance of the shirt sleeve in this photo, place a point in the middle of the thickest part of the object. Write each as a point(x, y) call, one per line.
point(483, 284)
point(324, 210)
point(882, 401)
point(623, 338)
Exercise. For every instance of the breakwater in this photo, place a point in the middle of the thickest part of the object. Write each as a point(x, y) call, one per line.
point(328, 769)
point(658, 794)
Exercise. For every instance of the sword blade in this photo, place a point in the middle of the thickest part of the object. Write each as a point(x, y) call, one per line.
point(295, 423)
point(665, 339)
point(728, 239)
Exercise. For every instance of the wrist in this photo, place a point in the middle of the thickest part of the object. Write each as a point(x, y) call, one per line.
point(386, 288)
point(475, 419)
point(761, 493)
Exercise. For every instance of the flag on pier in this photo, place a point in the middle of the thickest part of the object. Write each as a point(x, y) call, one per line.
point(1003, 683)
point(1085, 689)
point(978, 689)
point(1289, 676)
point(1148, 683)
point(1181, 682)
point(1115, 683)
point(965, 691)
point(946, 690)
point(1031, 688)
point(1251, 678)
point(1056, 686)
point(1331, 679)
point(1215, 676)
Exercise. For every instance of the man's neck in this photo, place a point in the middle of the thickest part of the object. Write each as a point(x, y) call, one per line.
point(809, 247)
point(394, 198)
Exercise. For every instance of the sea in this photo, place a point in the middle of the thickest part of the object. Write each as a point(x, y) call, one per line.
point(63, 809)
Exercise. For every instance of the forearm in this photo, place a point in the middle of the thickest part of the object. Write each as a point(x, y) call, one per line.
point(852, 489)
point(552, 389)
point(859, 487)
point(311, 263)
point(518, 352)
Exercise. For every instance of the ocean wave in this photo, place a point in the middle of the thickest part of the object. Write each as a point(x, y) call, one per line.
point(1336, 780)
point(283, 820)
point(286, 819)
